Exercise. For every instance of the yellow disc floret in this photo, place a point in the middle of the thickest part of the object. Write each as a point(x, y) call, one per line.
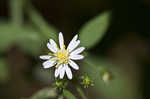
point(62, 57)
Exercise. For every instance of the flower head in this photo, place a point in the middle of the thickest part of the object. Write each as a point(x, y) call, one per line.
point(107, 77)
point(63, 58)
point(86, 81)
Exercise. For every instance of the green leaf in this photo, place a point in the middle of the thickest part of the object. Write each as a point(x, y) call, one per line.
point(29, 40)
point(7, 35)
point(68, 94)
point(3, 71)
point(94, 30)
point(25, 37)
point(46, 93)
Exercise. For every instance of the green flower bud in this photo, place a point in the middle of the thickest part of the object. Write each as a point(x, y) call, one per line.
point(86, 81)
point(107, 77)
point(60, 84)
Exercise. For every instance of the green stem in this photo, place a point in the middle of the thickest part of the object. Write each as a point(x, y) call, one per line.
point(100, 69)
point(45, 29)
point(16, 12)
point(80, 91)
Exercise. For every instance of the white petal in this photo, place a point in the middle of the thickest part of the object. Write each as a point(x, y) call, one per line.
point(68, 72)
point(53, 43)
point(57, 71)
point(50, 47)
point(73, 45)
point(62, 72)
point(76, 57)
point(72, 42)
point(61, 40)
point(45, 57)
point(77, 51)
point(73, 65)
point(48, 64)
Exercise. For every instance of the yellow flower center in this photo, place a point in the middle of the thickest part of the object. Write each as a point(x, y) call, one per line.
point(62, 56)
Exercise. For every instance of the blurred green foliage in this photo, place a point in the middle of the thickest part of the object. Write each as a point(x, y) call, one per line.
point(93, 31)
point(45, 93)
point(68, 94)
point(29, 37)
point(4, 73)
point(25, 37)
point(80, 91)
point(46, 30)
point(119, 87)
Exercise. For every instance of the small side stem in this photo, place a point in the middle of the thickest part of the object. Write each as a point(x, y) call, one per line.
point(16, 12)
point(80, 91)
point(46, 30)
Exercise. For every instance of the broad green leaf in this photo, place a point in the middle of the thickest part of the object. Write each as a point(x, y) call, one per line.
point(68, 94)
point(29, 40)
point(94, 30)
point(7, 34)
point(3, 71)
point(25, 37)
point(45, 93)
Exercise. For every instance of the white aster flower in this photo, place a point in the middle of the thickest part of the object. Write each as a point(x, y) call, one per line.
point(62, 57)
